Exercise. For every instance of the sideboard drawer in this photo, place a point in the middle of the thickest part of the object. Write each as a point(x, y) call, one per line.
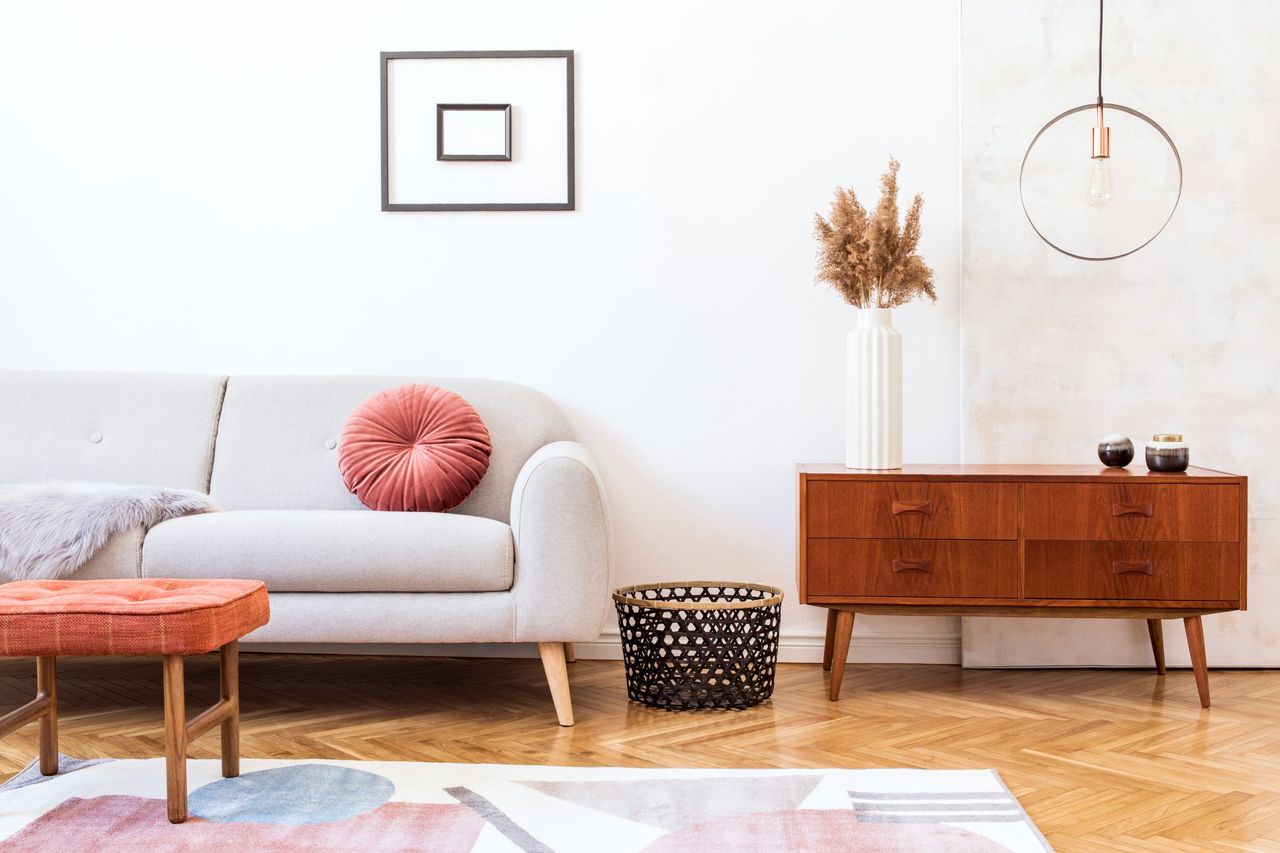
point(1134, 512)
point(1150, 571)
point(924, 568)
point(911, 510)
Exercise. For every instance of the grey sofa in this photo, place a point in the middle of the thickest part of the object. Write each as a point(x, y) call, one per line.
point(525, 559)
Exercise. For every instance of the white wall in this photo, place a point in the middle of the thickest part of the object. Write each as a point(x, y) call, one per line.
point(1179, 337)
point(195, 188)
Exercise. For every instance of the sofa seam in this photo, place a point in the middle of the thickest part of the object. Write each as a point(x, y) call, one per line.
point(511, 559)
point(212, 454)
point(137, 569)
point(515, 542)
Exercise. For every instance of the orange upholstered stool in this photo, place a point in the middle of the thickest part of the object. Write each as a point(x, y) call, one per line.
point(152, 616)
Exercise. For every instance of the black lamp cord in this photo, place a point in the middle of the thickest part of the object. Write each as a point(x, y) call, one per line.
point(1100, 2)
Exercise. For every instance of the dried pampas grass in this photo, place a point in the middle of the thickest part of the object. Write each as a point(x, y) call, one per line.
point(869, 258)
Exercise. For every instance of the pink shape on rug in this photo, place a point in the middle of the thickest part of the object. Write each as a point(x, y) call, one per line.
point(118, 822)
point(820, 829)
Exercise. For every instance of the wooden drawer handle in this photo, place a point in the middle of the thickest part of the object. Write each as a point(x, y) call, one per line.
point(904, 507)
point(913, 566)
point(1132, 509)
point(1127, 567)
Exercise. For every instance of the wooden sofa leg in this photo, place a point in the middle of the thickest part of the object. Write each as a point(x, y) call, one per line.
point(47, 687)
point(229, 691)
point(553, 663)
point(175, 737)
point(570, 655)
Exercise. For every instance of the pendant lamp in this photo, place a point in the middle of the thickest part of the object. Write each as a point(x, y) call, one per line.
point(1102, 180)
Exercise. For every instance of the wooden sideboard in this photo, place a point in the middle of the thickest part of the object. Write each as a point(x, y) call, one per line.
point(1022, 540)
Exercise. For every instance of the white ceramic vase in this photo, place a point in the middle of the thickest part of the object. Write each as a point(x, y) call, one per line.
point(873, 408)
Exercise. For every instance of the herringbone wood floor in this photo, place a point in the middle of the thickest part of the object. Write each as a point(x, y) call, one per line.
point(1102, 760)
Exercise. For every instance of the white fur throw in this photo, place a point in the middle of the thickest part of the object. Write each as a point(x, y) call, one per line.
point(51, 531)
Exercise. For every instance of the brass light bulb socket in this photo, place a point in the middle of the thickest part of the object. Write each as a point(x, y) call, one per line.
point(1100, 138)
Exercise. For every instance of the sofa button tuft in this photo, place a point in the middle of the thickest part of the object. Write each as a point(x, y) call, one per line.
point(330, 444)
point(96, 438)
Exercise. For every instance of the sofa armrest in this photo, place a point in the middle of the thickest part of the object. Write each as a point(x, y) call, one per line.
point(563, 546)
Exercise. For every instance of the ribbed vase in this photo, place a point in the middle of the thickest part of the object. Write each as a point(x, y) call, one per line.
point(873, 409)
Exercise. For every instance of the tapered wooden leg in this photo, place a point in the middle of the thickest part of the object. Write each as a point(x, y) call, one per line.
point(840, 650)
point(553, 664)
point(175, 737)
point(1195, 643)
point(43, 708)
point(1156, 629)
point(47, 686)
point(569, 654)
point(829, 640)
point(229, 691)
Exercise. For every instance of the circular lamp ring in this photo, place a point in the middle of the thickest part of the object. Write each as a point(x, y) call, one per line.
point(1129, 110)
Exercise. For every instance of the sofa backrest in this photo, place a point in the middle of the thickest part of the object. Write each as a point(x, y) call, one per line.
point(277, 439)
point(136, 428)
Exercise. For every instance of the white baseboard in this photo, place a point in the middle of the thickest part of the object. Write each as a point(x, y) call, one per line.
point(904, 647)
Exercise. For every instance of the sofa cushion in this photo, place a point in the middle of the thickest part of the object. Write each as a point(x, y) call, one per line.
point(278, 439)
point(413, 448)
point(152, 429)
point(335, 551)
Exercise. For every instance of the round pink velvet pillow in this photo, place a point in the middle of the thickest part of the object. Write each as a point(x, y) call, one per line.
point(413, 448)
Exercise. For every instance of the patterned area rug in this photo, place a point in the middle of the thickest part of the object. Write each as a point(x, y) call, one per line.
point(393, 806)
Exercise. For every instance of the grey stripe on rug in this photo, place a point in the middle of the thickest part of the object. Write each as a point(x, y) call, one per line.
point(950, 808)
point(937, 795)
point(495, 816)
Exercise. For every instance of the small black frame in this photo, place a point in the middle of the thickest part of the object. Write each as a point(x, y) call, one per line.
point(388, 56)
point(441, 109)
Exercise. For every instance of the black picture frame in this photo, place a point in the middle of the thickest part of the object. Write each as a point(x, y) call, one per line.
point(441, 109)
point(386, 57)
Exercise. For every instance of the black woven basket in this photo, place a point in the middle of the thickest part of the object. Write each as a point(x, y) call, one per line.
point(701, 644)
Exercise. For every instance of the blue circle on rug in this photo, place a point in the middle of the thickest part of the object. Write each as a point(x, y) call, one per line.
point(299, 794)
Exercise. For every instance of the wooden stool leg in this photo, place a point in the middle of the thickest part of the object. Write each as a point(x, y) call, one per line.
point(828, 642)
point(175, 737)
point(229, 691)
point(1156, 629)
point(1195, 644)
point(47, 687)
point(44, 708)
point(840, 650)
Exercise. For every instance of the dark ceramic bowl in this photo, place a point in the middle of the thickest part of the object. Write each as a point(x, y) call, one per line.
point(1115, 451)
